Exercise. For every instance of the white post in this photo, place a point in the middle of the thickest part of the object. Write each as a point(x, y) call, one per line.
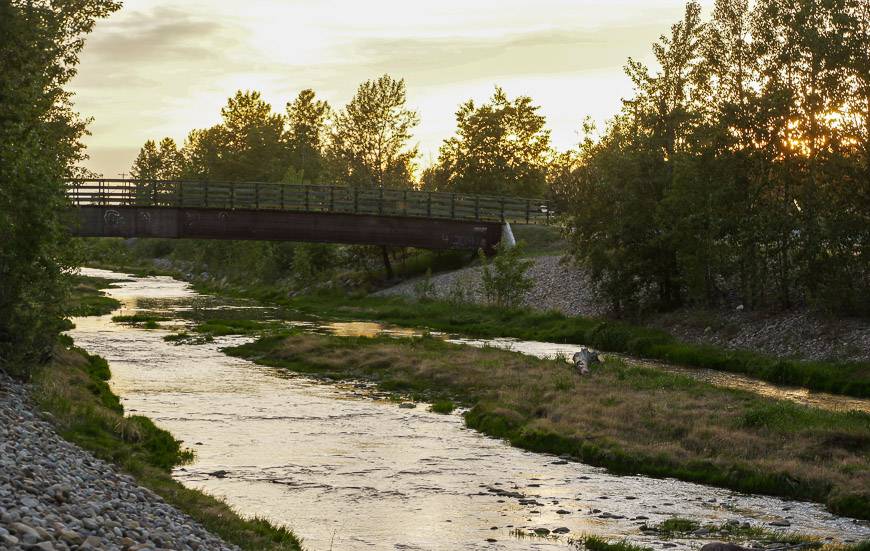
point(507, 236)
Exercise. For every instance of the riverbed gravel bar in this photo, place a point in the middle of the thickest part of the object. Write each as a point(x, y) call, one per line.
point(57, 496)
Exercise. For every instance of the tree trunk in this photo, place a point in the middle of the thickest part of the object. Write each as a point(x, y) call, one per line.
point(388, 267)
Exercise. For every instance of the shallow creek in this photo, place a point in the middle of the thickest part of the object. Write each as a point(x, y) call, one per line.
point(348, 470)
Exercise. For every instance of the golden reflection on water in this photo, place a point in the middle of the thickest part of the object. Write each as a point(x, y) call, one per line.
point(367, 329)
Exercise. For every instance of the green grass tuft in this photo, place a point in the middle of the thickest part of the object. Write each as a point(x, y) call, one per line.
point(443, 406)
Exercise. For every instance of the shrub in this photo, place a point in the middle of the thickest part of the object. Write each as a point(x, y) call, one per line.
point(504, 279)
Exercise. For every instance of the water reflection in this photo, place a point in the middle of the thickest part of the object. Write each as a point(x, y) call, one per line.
point(347, 471)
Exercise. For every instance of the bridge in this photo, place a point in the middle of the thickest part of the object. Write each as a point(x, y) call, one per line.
point(296, 212)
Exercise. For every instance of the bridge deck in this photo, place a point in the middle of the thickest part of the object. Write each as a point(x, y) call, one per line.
point(296, 212)
point(309, 198)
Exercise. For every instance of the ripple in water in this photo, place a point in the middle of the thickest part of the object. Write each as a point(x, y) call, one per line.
point(351, 472)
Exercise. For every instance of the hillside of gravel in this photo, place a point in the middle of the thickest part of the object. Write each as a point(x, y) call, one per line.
point(56, 496)
point(565, 288)
point(557, 286)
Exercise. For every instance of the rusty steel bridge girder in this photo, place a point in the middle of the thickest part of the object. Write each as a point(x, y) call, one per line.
point(271, 225)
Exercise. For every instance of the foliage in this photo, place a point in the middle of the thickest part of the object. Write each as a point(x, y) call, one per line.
point(504, 279)
point(595, 543)
point(676, 526)
point(501, 148)
point(39, 146)
point(369, 142)
point(424, 289)
point(739, 173)
point(86, 298)
point(306, 120)
point(443, 407)
point(163, 162)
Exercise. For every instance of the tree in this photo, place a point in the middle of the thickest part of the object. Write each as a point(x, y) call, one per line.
point(163, 162)
point(39, 146)
point(501, 148)
point(202, 153)
point(738, 171)
point(369, 141)
point(306, 120)
point(251, 140)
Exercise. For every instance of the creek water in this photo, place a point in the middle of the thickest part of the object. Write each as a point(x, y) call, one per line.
point(347, 470)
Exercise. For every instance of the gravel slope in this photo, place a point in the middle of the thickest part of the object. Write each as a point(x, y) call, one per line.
point(558, 286)
point(56, 496)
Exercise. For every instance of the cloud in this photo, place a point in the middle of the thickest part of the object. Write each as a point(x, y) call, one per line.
point(145, 48)
point(448, 59)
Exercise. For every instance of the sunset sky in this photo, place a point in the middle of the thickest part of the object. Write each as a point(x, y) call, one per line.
point(161, 68)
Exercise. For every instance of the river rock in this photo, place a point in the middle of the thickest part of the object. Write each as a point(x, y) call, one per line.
point(55, 496)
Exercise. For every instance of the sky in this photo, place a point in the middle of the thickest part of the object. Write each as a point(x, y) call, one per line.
point(162, 68)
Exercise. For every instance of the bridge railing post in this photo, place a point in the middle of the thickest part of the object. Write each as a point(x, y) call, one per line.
point(429, 204)
point(502, 209)
point(381, 202)
point(307, 208)
point(528, 209)
point(477, 207)
point(356, 200)
point(256, 195)
point(331, 198)
point(452, 205)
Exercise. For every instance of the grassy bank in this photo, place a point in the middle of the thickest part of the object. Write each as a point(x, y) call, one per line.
point(631, 420)
point(852, 379)
point(74, 390)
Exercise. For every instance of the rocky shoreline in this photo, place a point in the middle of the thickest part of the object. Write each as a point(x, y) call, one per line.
point(57, 496)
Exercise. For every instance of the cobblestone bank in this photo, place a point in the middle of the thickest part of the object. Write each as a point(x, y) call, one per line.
point(57, 496)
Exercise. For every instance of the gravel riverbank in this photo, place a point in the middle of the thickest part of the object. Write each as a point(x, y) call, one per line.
point(57, 496)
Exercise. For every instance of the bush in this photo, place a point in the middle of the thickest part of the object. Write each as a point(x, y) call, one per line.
point(505, 283)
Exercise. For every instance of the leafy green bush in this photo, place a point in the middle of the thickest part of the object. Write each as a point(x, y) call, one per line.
point(505, 283)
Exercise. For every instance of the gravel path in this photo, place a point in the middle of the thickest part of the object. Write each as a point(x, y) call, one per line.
point(558, 286)
point(56, 496)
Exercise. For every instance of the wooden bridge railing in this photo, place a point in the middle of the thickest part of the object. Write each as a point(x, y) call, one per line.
point(307, 198)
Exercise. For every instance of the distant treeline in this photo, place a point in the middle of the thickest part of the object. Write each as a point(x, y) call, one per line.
point(739, 173)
